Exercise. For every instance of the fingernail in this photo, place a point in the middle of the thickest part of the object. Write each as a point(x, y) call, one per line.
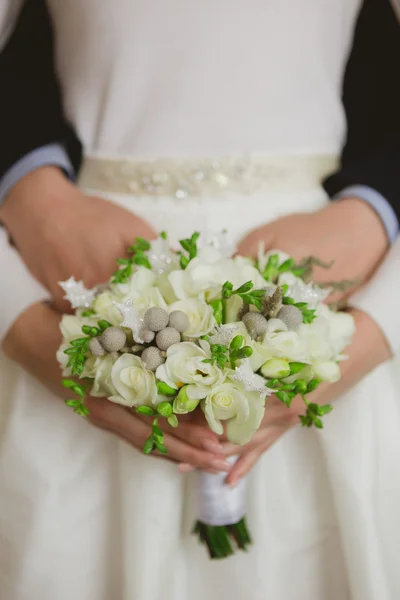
point(229, 448)
point(220, 464)
point(233, 483)
point(186, 468)
point(212, 446)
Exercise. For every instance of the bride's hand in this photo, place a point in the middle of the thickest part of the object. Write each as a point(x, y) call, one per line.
point(33, 340)
point(368, 349)
point(331, 234)
point(59, 231)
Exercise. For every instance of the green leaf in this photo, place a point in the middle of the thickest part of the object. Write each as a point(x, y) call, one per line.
point(287, 300)
point(70, 351)
point(183, 261)
point(306, 420)
point(296, 367)
point(318, 423)
point(272, 384)
point(217, 307)
point(142, 260)
point(301, 305)
point(246, 287)
point(284, 397)
point(79, 342)
point(164, 409)
point(163, 235)
point(73, 403)
point(325, 409)
point(146, 410)
point(103, 324)
point(287, 265)
point(68, 383)
point(173, 421)
point(148, 445)
point(161, 448)
point(157, 430)
point(300, 386)
point(312, 385)
point(123, 261)
point(165, 390)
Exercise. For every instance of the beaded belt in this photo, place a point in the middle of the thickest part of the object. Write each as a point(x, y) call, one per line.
point(204, 177)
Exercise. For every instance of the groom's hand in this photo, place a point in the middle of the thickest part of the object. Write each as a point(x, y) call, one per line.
point(348, 232)
point(59, 231)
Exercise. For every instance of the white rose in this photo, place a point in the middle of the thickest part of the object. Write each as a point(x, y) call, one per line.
point(327, 370)
point(134, 384)
point(105, 309)
point(200, 315)
point(280, 342)
point(102, 384)
point(242, 410)
point(185, 366)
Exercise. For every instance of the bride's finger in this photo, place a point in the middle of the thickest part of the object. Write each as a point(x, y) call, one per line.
point(199, 436)
point(126, 424)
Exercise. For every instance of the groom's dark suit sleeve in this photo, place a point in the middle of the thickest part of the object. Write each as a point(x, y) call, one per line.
point(371, 96)
point(31, 115)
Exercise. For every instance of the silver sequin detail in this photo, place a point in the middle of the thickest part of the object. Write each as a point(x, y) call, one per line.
point(203, 177)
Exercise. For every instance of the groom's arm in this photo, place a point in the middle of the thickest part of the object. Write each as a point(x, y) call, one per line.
point(33, 128)
point(370, 167)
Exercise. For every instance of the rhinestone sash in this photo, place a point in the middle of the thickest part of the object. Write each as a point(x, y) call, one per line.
point(181, 179)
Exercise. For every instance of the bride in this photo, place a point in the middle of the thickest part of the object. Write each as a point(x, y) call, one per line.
point(195, 116)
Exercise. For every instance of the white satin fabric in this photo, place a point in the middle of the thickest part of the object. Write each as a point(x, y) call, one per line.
point(84, 516)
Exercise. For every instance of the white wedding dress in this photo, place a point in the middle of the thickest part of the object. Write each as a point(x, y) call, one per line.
point(201, 116)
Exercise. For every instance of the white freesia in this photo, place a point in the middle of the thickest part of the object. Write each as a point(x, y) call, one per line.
point(327, 370)
point(106, 309)
point(71, 326)
point(208, 271)
point(141, 279)
point(185, 366)
point(135, 385)
point(200, 315)
point(304, 292)
point(341, 328)
point(243, 411)
point(316, 336)
point(280, 342)
point(262, 256)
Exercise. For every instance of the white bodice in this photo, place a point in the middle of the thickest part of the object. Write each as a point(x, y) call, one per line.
point(184, 78)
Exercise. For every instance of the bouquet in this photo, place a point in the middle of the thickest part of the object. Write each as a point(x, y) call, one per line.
point(203, 330)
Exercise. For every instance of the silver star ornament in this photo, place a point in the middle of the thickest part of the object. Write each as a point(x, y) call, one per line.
point(77, 294)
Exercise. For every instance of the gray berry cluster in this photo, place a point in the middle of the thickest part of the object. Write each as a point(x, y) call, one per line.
point(161, 330)
point(113, 339)
point(256, 322)
point(165, 330)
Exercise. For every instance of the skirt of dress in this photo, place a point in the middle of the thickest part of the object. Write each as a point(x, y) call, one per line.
point(83, 516)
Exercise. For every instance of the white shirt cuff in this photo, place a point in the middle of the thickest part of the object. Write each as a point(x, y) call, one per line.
point(52, 154)
point(378, 202)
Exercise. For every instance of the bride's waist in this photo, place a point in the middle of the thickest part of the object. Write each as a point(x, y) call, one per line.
point(249, 175)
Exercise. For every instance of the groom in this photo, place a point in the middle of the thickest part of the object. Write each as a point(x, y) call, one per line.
point(53, 225)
